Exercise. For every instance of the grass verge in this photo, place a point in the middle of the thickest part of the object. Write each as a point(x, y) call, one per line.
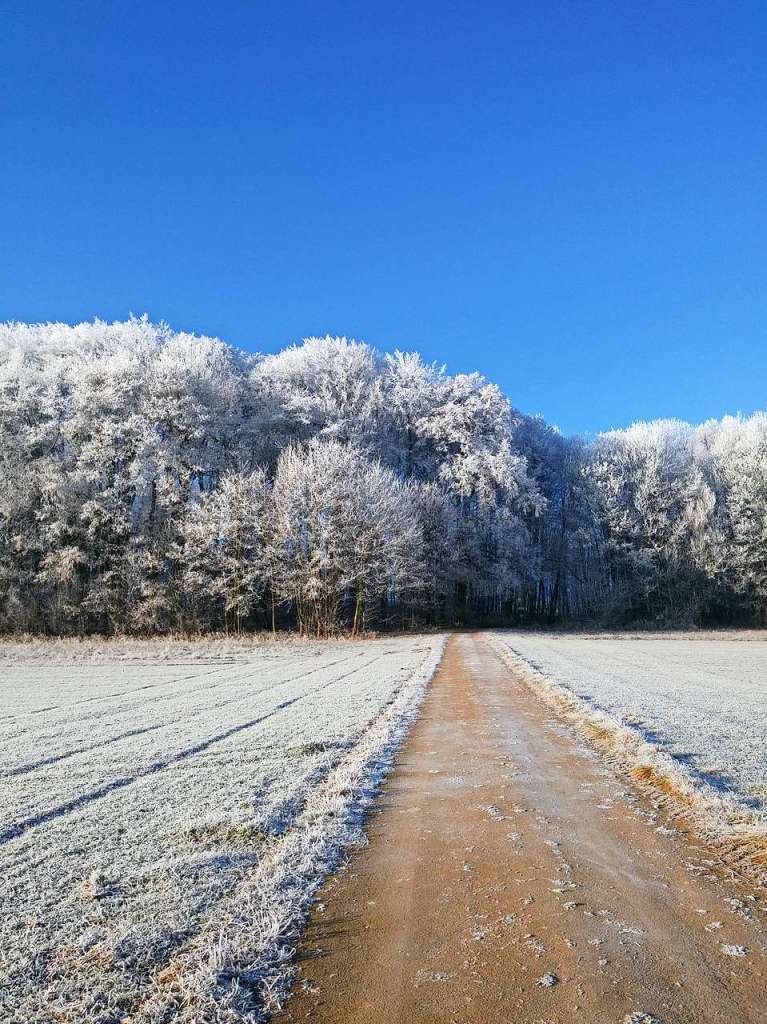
point(240, 966)
point(738, 835)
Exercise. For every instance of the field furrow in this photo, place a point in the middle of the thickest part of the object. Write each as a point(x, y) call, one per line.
point(118, 851)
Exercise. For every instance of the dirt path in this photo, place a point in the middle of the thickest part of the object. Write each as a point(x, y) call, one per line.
point(503, 852)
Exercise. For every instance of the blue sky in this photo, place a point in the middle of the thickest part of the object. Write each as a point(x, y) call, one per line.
point(569, 197)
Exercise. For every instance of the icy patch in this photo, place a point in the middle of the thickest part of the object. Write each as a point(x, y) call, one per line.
point(738, 951)
point(547, 981)
point(434, 976)
point(494, 811)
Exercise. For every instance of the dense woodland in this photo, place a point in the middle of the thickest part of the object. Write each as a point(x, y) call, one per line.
point(156, 481)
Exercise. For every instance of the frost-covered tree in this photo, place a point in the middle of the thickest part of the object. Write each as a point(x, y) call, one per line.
point(224, 549)
point(157, 480)
point(471, 426)
point(656, 509)
point(114, 427)
point(326, 387)
point(733, 456)
point(411, 391)
point(435, 512)
point(344, 535)
point(568, 536)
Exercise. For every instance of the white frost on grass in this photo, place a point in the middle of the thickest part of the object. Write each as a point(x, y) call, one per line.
point(165, 834)
point(648, 702)
point(103, 650)
point(703, 701)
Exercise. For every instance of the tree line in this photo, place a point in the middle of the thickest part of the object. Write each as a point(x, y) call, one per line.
point(160, 481)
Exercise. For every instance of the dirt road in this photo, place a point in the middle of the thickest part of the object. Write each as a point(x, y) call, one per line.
point(510, 877)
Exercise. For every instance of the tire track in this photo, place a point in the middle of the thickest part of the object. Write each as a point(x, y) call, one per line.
point(118, 693)
point(17, 829)
point(184, 717)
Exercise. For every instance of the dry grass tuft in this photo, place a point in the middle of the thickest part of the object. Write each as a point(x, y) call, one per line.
point(661, 782)
point(599, 734)
point(169, 975)
point(751, 848)
point(99, 885)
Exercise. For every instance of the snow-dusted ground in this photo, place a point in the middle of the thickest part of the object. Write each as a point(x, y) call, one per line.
point(164, 820)
point(702, 700)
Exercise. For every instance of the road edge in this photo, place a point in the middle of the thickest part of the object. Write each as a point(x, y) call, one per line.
point(738, 836)
point(246, 973)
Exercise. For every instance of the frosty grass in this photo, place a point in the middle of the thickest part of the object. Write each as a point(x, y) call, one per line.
point(166, 820)
point(701, 701)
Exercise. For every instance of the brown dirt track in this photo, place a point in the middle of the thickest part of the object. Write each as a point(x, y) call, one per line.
point(502, 851)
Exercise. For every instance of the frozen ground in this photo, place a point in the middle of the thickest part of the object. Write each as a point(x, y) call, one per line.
point(164, 819)
point(702, 700)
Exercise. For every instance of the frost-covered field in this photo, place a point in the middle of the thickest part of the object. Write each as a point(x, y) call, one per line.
point(164, 819)
point(702, 700)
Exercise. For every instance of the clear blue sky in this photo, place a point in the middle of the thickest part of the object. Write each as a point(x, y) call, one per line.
point(569, 197)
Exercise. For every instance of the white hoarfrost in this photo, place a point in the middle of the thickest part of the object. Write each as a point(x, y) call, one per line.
point(167, 823)
point(700, 704)
point(682, 716)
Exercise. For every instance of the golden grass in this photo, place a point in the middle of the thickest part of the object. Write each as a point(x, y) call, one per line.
point(599, 734)
point(650, 776)
point(752, 849)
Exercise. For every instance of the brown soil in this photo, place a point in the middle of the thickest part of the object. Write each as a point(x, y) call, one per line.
point(502, 851)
